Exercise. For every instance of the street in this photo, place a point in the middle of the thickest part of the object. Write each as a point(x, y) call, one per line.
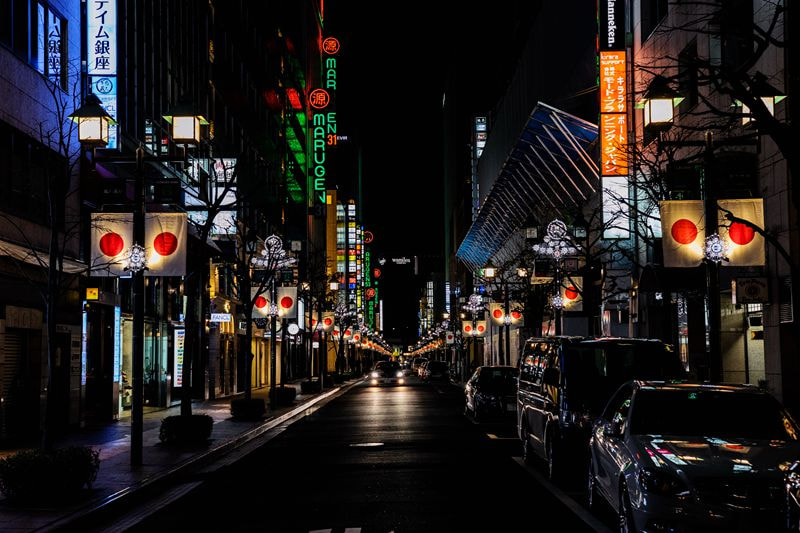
point(401, 458)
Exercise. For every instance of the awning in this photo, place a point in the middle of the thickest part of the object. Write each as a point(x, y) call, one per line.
point(37, 257)
point(549, 168)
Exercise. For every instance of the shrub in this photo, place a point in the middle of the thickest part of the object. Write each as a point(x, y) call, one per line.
point(43, 475)
point(285, 395)
point(186, 429)
point(251, 409)
point(309, 387)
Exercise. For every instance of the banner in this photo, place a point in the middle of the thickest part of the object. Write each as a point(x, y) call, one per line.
point(683, 232)
point(260, 303)
point(744, 246)
point(572, 293)
point(287, 302)
point(165, 236)
point(480, 328)
point(111, 238)
point(449, 337)
point(497, 313)
point(467, 329)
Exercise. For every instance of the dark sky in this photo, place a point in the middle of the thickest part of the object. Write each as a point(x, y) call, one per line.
point(392, 70)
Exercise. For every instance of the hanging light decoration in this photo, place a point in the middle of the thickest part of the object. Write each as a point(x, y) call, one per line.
point(716, 250)
point(556, 301)
point(556, 243)
point(136, 260)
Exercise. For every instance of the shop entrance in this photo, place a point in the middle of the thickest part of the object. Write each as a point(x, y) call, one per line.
point(99, 402)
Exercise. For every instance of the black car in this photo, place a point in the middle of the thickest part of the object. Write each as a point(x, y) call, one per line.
point(386, 373)
point(436, 371)
point(565, 382)
point(491, 392)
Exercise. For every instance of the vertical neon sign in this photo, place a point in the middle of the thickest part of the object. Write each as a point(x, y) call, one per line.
point(101, 63)
point(323, 133)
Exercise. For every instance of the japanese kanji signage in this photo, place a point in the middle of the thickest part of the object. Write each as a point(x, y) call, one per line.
point(613, 127)
point(101, 61)
point(323, 133)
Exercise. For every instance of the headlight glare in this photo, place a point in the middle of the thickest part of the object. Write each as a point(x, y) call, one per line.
point(374, 374)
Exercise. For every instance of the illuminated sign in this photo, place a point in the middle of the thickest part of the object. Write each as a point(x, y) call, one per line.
point(101, 62)
point(368, 237)
point(319, 99)
point(92, 293)
point(117, 343)
point(611, 18)
point(330, 45)
point(323, 133)
point(294, 99)
point(180, 337)
point(220, 317)
point(613, 127)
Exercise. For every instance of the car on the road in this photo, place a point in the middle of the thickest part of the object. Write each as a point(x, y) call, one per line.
point(670, 456)
point(416, 363)
point(436, 371)
point(491, 392)
point(386, 373)
point(564, 383)
point(421, 369)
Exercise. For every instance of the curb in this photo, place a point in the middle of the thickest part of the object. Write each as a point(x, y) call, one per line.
point(120, 498)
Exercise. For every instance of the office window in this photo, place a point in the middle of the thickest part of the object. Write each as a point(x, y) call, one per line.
point(48, 53)
point(687, 77)
point(652, 12)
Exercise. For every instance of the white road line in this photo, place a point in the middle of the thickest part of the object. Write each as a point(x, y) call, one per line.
point(352, 530)
point(582, 513)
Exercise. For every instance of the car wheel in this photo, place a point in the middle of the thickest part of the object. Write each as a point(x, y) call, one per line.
point(625, 514)
point(591, 489)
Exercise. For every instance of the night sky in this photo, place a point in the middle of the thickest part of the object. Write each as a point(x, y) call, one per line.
point(392, 74)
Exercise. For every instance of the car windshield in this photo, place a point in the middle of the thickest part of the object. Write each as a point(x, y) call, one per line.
point(595, 371)
point(710, 413)
point(387, 365)
point(436, 366)
point(498, 380)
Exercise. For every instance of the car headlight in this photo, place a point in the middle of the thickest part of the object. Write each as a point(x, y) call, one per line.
point(374, 374)
point(399, 374)
point(662, 483)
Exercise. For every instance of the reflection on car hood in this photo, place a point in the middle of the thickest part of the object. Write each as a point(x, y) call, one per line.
point(698, 457)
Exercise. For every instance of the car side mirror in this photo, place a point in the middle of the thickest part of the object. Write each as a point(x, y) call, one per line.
point(613, 429)
point(552, 377)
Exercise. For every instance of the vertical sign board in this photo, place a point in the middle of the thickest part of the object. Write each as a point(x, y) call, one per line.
point(613, 129)
point(323, 120)
point(180, 337)
point(117, 344)
point(101, 61)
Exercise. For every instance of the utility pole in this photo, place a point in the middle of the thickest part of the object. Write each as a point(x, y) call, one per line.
point(137, 382)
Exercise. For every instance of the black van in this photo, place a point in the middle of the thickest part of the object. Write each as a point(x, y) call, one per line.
point(564, 383)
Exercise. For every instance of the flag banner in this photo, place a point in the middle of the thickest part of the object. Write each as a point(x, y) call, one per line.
point(287, 302)
point(572, 293)
point(112, 236)
point(497, 313)
point(480, 328)
point(327, 321)
point(467, 329)
point(260, 303)
point(449, 337)
point(165, 237)
point(517, 318)
point(744, 246)
point(683, 232)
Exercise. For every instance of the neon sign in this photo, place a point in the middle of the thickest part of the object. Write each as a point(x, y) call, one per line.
point(323, 133)
point(101, 63)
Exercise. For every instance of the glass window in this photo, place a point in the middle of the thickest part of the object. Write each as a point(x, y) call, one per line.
point(711, 413)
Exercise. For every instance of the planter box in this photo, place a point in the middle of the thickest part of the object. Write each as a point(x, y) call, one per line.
point(186, 429)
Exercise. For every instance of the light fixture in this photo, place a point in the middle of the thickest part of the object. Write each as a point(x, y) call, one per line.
point(556, 301)
point(762, 90)
point(489, 271)
point(185, 124)
point(93, 122)
point(136, 259)
point(556, 243)
point(716, 250)
point(522, 272)
point(659, 103)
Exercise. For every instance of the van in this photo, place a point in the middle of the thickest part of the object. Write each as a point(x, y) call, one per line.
point(564, 383)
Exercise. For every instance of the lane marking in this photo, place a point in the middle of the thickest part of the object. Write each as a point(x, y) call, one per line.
point(352, 530)
point(366, 444)
point(588, 518)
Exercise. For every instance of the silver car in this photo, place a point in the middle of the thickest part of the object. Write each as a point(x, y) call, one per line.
point(684, 457)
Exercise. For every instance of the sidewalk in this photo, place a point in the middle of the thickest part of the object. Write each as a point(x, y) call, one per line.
point(116, 477)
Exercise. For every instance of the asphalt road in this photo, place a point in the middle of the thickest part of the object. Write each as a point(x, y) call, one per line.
point(401, 458)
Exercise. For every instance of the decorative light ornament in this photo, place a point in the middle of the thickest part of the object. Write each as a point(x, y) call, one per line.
point(556, 243)
point(136, 259)
point(716, 250)
point(474, 304)
point(507, 320)
point(556, 301)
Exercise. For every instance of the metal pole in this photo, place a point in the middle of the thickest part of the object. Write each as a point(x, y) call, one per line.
point(273, 356)
point(506, 319)
point(712, 268)
point(137, 382)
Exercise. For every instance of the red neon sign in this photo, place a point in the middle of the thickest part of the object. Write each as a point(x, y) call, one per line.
point(294, 99)
point(319, 99)
point(330, 45)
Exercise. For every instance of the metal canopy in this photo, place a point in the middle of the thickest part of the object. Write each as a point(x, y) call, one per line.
point(548, 168)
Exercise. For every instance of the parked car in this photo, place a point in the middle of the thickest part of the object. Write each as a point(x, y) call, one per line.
point(692, 456)
point(418, 362)
point(564, 383)
point(386, 373)
point(436, 371)
point(491, 392)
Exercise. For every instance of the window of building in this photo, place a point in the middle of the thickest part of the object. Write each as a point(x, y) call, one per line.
point(34, 32)
point(731, 40)
point(687, 77)
point(652, 12)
